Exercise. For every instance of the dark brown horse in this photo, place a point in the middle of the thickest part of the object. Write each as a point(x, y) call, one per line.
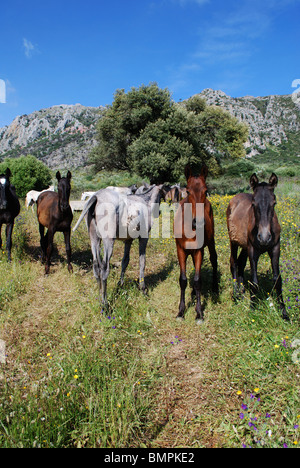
point(194, 230)
point(9, 209)
point(55, 214)
point(253, 226)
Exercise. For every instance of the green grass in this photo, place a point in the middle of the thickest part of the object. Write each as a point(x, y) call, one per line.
point(75, 377)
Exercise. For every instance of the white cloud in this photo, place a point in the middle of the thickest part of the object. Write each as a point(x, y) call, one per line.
point(29, 48)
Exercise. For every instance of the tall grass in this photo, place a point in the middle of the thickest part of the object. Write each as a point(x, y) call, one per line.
point(135, 377)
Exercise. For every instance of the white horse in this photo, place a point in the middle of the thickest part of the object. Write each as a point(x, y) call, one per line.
point(125, 190)
point(112, 216)
point(87, 195)
point(33, 195)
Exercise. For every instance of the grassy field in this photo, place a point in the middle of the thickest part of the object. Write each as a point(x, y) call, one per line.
point(75, 377)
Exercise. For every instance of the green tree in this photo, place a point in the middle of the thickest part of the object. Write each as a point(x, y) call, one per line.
point(145, 132)
point(28, 173)
point(166, 146)
point(123, 122)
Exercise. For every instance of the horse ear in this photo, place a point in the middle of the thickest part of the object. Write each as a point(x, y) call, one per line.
point(8, 173)
point(254, 181)
point(69, 175)
point(187, 171)
point(58, 176)
point(273, 180)
point(204, 171)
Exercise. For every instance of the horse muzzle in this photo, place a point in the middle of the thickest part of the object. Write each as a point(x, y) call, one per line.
point(64, 206)
point(264, 238)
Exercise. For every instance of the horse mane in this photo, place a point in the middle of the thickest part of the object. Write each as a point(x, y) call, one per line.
point(144, 193)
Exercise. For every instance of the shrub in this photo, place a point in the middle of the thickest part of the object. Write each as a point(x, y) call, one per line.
point(28, 173)
point(240, 169)
point(286, 171)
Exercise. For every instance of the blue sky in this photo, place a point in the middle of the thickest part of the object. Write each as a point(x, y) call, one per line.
point(67, 52)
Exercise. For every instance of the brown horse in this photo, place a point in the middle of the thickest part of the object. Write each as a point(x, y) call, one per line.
point(175, 194)
point(253, 225)
point(194, 230)
point(9, 209)
point(54, 213)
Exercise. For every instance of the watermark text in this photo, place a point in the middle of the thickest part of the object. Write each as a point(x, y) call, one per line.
point(2, 92)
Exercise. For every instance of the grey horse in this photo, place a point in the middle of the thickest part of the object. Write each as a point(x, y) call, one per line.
point(114, 216)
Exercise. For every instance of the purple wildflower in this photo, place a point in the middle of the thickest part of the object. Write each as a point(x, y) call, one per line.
point(252, 425)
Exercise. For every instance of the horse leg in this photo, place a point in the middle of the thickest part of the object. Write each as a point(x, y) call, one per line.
point(253, 257)
point(95, 247)
point(0, 236)
point(125, 260)
point(277, 281)
point(9, 229)
point(67, 236)
point(233, 267)
point(50, 236)
point(142, 253)
point(197, 259)
point(242, 260)
point(182, 256)
point(214, 263)
point(43, 243)
point(108, 245)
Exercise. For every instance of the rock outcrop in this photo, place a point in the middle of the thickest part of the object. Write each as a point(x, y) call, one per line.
point(63, 136)
point(270, 119)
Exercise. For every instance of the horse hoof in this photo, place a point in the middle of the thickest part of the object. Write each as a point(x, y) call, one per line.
point(144, 291)
point(179, 318)
point(199, 321)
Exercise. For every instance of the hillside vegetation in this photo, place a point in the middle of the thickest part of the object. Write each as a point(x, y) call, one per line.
point(64, 136)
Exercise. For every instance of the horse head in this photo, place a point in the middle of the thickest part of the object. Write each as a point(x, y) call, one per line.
point(4, 186)
point(263, 205)
point(196, 184)
point(196, 190)
point(64, 190)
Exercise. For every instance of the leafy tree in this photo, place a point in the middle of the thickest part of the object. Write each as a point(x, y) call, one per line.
point(124, 120)
point(28, 173)
point(166, 146)
point(144, 131)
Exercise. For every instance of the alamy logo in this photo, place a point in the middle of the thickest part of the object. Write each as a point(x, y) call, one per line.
point(2, 92)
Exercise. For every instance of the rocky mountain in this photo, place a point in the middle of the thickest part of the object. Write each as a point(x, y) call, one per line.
point(272, 120)
point(63, 136)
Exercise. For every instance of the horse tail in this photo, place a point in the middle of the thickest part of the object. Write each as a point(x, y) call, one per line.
point(89, 204)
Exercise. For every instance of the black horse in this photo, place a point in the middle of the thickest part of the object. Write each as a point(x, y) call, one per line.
point(9, 209)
